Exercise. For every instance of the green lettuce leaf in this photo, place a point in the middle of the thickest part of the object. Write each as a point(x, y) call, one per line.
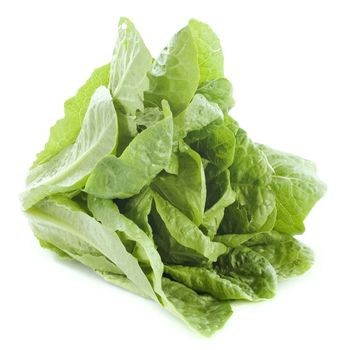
point(234, 240)
point(296, 187)
point(202, 313)
point(218, 91)
point(220, 196)
point(127, 130)
point(123, 282)
point(147, 154)
point(170, 250)
point(150, 183)
point(287, 255)
point(101, 265)
point(148, 117)
point(241, 274)
point(218, 147)
point(59, 222)
point(186, 190)
point(175, 73)
point(250, 270)
point(68, 169)
point(199, 114)
point(108, 214)
point(66, 130)
point(138, 208)
point(205, 280)
point(251, 176)
point(209, 51)
point(185, 232)
point(51, 247)
point(129, 66)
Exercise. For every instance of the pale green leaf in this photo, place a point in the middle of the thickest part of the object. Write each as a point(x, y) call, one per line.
point(68, 169)
point(55, 221)
point(129, 66)
point(209, 51)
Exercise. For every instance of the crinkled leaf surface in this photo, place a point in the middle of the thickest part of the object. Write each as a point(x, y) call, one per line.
point(250, 270)
point(287, 255)
point(206, 280)
point(203, 313)
point(251, 176)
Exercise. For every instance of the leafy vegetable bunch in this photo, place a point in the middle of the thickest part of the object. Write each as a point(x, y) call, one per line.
point(150, 183)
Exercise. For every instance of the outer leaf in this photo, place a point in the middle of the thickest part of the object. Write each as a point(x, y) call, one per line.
point(123, 282)
point(107, 212)
point(186, 191)
point(206, 280)
point(201, 312)
point(57, 221)
point(251, 176)
point(67, 170)
point(287, 255)
point(209, 51)
point(180, 305)
point(218, 91)
point(66, 130)
point(251, 271)
point(296, 187)
point(175, 74)
point(100, 265)
point(185, 232)
point(147, 154)
point(129, 66)
point(54, 249)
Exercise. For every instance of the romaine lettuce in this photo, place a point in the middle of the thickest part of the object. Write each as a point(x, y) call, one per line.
point(150, 183)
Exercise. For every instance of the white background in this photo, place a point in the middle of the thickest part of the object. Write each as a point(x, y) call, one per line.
point(289, 64)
